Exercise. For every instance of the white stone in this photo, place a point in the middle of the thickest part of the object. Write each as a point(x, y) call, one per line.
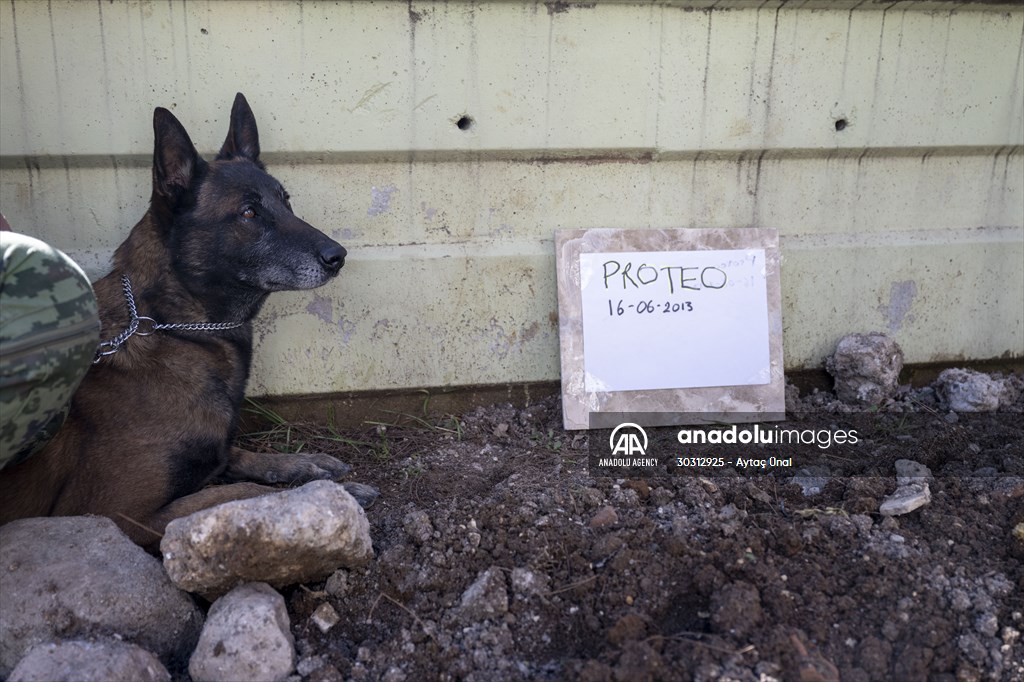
point(487, 596)
point(906, 499)
point(247, 637)
point(964, 390)
point(295, 536)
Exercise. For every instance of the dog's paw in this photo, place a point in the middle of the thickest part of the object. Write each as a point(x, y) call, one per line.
point(278, 469)
point(301, 468)
point(323, 467)
point(364, 494)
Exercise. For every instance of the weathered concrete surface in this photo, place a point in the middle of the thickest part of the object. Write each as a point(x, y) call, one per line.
point(883, 141)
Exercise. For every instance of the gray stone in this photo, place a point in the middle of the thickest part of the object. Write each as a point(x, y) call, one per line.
point(866, 368)
point(908, 471)
point(527, 583)
point(300, 535)
point(487, 597)
point(309, 665)
point(417, 525)
point(247, 637)
point(964, 390)
point(959, 600)
point(337, 585)
point(325, 617)
point(812, 480)
point(89, 662)
point(80, 577)
point(987, 624)
point(906, 499)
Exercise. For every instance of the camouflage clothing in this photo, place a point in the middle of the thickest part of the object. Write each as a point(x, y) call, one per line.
point(49, 330)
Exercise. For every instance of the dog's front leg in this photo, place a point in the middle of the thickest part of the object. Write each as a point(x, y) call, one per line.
point(292, 469)
point(148, 531)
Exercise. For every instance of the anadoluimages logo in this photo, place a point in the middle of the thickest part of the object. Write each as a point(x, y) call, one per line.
point(631, 441)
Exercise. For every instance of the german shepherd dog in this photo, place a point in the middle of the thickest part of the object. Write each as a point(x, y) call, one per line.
point(152, 423)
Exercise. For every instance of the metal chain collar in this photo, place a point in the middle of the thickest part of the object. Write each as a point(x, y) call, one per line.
point(114, 344)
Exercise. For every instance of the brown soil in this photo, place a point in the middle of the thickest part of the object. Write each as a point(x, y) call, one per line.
point(501, 557)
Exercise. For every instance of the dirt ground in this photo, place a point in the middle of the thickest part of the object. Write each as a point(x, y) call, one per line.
point(500, 556)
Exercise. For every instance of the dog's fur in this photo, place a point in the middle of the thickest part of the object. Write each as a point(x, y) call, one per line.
point(152, 424)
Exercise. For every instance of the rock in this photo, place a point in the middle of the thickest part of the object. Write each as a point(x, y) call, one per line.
point(964, 390)
point(866, 368)
point(337, 585)
point(812, 480)
point(908, 472)
point(730, 519)
point(417, 525)
point(527, 583)
point(80, 577)
point(906, 499)
point(325, 617)
point(487, 597)
point(306, 666)
point(1013, 388)
point(987, 624)
point(605, 516)
point(756, 493)
point(89, 662)
point(299, 535)
point(247, 637)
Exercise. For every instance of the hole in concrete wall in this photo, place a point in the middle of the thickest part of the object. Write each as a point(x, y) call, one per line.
point(841, 124)
point(464, 122)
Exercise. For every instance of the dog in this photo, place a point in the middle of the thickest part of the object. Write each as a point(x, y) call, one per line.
point(153, 421)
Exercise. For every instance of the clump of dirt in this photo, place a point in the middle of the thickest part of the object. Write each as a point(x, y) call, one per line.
point(502, 556)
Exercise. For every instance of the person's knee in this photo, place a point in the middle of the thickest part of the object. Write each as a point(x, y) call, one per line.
point(42, 287)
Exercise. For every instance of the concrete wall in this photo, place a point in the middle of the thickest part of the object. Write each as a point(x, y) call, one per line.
point(884, 141)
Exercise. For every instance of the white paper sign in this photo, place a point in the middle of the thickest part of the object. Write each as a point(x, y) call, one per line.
point(674, 319)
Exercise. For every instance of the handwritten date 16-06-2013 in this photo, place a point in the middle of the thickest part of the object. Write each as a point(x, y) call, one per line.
point(615, 309)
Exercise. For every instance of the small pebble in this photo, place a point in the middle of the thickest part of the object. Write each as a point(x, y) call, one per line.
point(325, 617)
point(906, 499)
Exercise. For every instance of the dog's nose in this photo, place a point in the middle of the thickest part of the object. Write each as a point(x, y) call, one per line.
point(333, 257)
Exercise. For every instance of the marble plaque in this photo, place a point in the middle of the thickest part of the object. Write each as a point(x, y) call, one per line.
point(684, 326)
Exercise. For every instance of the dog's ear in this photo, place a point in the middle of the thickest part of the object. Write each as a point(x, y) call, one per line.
point(175, 159)
point(243, 141)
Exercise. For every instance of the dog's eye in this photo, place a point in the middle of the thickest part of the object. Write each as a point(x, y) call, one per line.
point(248, 213)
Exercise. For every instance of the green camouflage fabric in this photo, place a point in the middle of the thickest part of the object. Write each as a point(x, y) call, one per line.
point(49, 331)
